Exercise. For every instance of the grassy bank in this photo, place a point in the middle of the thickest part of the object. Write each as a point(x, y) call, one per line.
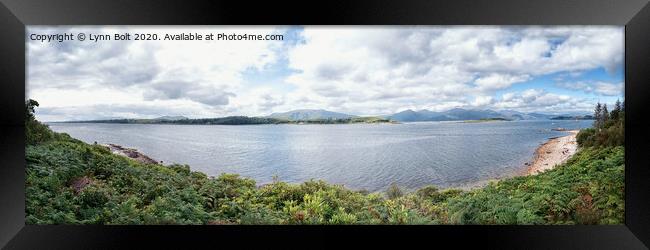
point(71, 182)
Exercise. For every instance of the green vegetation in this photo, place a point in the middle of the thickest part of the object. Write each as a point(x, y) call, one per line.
point(608, 130)
point(242, 120)
point(578, 117)
point(371, 119)
point(71, 182)
point(588, 189)
point(230, 120)
point(35, 131)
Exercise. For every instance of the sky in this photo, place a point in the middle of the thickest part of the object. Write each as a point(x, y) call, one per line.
point(372, 70)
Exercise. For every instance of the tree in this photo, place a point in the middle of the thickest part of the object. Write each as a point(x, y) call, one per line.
point(605, 115)
point(35, 132)
point(623, 106)
point(30, 106)
point(598, 115)
point(608, 130)
point(617, 110)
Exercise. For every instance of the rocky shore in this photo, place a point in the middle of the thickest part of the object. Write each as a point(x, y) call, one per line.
point(554, 152)
point(131, 153)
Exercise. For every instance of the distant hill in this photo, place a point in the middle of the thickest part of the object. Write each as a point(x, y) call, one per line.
point(324, 118)
point(459, 114)
point(516, 115)
point(575, 117)
point(228, 120)
point(541, 116)
point(321, 116)
point(171, 118)
point(414, 116)
point(456, 114)
point(464, 114)
point(309, 114)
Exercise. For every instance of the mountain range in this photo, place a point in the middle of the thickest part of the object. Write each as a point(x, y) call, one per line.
point(459, 114)
point(171, 118)
point(309, 114)
point(326, 117)
point(456, 114)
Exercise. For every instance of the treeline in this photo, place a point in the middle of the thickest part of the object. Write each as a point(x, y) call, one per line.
point(579, 117)
point(240, 120)
point(71, 182)
point(229, 120)
point(608, 128)
point(344, 120)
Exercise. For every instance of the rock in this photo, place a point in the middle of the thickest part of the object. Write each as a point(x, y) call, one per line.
point(133, 154)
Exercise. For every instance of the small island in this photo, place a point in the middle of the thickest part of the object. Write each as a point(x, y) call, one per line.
point(575, 117)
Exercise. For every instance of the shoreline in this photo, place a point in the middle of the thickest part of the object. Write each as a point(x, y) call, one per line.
point(555, 151)
point(131, 153)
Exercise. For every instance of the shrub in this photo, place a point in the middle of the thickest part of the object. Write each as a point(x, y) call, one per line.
point(92, 196)
point(394, 192)
point(428, 192)
point(584, 138)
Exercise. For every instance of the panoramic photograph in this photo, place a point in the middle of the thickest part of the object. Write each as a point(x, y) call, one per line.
point(275, 125)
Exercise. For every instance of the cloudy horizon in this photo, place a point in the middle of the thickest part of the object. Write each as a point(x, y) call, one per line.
point(355, 70)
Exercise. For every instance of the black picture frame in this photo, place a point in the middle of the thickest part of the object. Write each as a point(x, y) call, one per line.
point(16, 14)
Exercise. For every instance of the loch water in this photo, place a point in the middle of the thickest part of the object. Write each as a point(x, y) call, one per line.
point(359, 156)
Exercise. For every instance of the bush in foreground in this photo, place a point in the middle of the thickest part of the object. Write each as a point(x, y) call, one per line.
point(117, 190)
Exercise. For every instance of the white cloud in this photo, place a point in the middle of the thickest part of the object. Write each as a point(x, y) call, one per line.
point(481, 101)
point(499, 81)
point(373, 67)
point(205, 75)
point(598, 87)
point(537, 100)
point(609, 89)
point(507, 96)
point(359, 70)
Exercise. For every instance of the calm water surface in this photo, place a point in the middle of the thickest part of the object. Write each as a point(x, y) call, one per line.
point(359, 156)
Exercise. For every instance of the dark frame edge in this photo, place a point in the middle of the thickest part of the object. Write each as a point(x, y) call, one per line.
point(490, 237)
point(12, 62)
point(637, 78)
point(637, 219)
point(332, 12)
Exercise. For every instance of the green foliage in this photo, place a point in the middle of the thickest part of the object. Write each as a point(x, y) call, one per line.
point(35, 132)
point(71, 182)
point(585, 137)
point(394, 191)
point(609, 128)
point(586, 190)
